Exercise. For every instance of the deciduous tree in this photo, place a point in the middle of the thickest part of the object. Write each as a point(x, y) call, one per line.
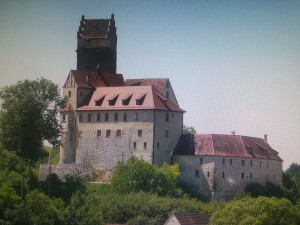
point(28, 115)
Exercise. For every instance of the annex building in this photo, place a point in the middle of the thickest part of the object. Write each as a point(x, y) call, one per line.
point(108, 119)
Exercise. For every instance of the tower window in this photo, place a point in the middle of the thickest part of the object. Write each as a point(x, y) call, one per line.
point(167, 117)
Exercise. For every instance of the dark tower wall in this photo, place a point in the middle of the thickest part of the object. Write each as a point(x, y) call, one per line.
point(97, 45)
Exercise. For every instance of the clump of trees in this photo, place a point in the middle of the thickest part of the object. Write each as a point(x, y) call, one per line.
point(28, 116)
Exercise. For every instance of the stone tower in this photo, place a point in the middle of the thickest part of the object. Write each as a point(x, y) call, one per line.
point(97, 45)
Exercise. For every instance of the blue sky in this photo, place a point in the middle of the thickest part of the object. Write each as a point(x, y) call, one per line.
point(234, 65)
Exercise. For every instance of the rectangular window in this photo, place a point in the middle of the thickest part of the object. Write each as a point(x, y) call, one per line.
point(134, 145)
point(140, 133)
point(230, 162)
point(259, 163)
point(224, 162)
point(98, 117)
point(223, 174)
point(157, 145)
point(69, 94)
point(208, 174)
point(145, 145)
point(136, 116)
point(106, 117)
point(250, 175)
point(116, 117)
point(197, 173)
point(167, 117)
point(201, 161)
point(242, 175)
point(166, 133)
point(89, 117)
point(98, 133)
point(243, 162)
point(107, 133)
point(251, 163)
point(118, 133)
point(80, 117)
point(64, 117)
point(125, 117)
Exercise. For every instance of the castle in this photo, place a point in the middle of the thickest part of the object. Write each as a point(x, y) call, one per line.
point(108, 119)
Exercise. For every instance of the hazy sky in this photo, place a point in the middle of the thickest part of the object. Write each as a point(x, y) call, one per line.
point(234, 65)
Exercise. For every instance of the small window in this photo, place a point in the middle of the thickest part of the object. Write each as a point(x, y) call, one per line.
point(69, 94)
point(223, 175)
point(250, 175)
point(140, 133)
point(224, 162)
point(136, 116)
point(106, 117)
point(98, 133)
point(98, 117)
point(230, 161)
point(208, 175)
point(64, 117)
point(167, 117)
point(89, 117)
point(201, 161)
point(166, 133)
point(113, 101)
point(251, 163)
point(107, 133)
point(80, 117)
point(197, 173)
point(125, 117)
point(259, 163)
point(145, 145)
point(118, 133)
point(140, 101)
point(126, 101)
point(100, 101)
point(116, 117)
point(157, 145)
point(243, 162)
point(134, 145)
point(242, 175)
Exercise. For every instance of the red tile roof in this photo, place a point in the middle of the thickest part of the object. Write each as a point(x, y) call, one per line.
point(95, 28)
point(225, 146)
point(153, 99)
point(158, 83)
point(68, 108)
point(192, 218)
point(93, 79)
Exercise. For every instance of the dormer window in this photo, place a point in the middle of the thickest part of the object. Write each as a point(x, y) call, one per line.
point(126, 100)
point(113, 101)
point(249, 149)
point(100, 101)
point(140, 101)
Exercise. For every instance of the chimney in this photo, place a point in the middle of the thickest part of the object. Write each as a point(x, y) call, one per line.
point(233, 132)
point(266, 138)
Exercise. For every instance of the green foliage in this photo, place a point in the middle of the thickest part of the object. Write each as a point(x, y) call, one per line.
point(294, 171)
point(137, 175)
point(62, 189)
point(28, 116)
point(291, 183)
point(258, 211)
point(189, 130)
point(268, 190)
point(38, 209)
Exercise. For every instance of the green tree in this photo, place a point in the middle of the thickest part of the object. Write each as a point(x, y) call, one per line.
point(28, 116)
point(261, 210)
point(268, 190)
point(189, 130)
point(137, 175)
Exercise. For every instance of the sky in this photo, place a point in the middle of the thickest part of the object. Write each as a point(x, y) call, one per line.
point(234, 65)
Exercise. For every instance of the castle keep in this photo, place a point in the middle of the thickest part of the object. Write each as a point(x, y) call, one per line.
point(108, 119)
